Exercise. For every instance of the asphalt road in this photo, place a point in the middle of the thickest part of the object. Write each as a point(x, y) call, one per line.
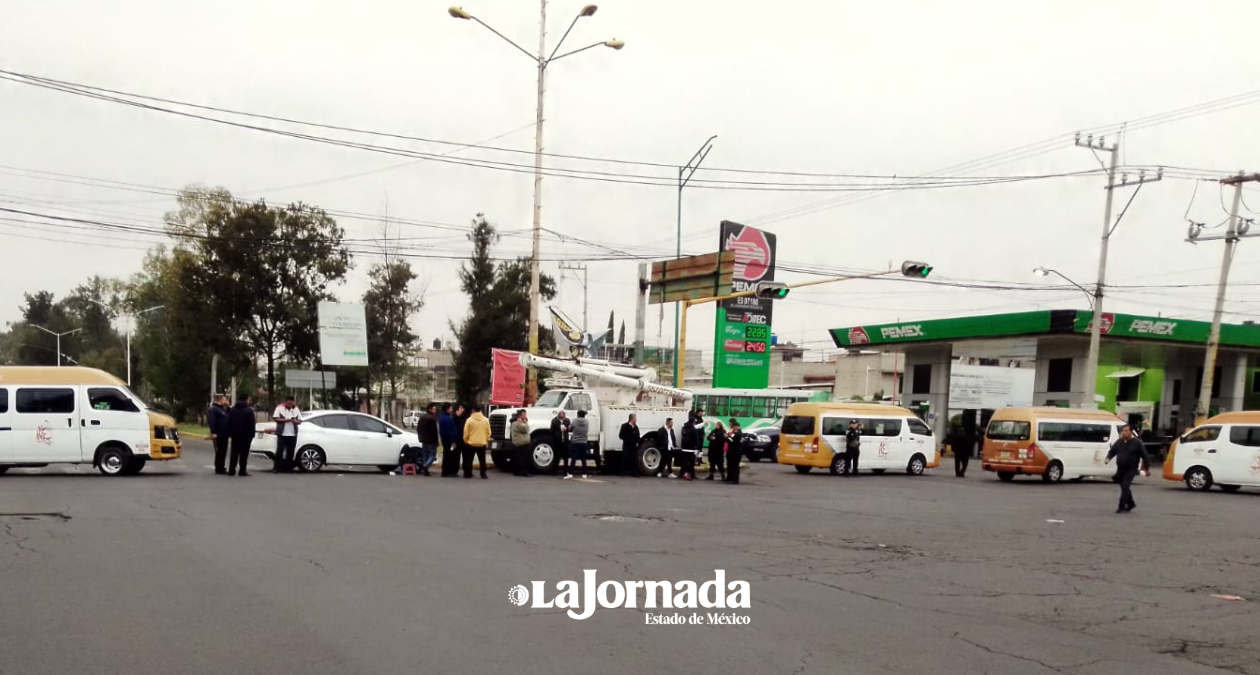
point(181, 571)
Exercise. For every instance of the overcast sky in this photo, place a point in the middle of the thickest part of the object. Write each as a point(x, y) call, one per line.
point(826, 86)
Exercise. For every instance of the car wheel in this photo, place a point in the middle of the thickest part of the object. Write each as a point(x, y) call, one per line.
point(774, 455)
point(3, 470)
point(1006, 476)
point(837, 465)
point(803, 469)
point(1199, 479)
point(649, 459)
point(544, 457)
point(385, 468)
point(916, 466)
point(310, 458)
point(1054, 472)
point(878, 472)
point(113, 461)
point(1231, 488)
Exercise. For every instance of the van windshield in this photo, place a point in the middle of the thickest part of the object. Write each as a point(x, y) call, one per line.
point(1009, 430)
point(798, 426)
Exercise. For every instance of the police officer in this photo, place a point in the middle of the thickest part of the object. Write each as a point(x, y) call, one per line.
point(852, 448)
point(1130, 455)
point(734, 448)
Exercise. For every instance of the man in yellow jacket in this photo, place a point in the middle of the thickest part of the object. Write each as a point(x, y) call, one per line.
point(476, 438)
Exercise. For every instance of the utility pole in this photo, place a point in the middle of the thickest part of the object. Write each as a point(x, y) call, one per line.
point(640, 316)
point(1108, 228)
point(1237, 230)
point(685, 172)
point(581, 267)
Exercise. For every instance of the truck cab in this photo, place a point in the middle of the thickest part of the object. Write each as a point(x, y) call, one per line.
point(544, 456)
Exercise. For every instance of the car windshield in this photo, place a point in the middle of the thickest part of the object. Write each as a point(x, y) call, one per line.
point(551, 399)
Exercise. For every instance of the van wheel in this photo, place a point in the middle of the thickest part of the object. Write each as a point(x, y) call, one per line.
point(113, 461)
point(1006, 476)
point(1199, 479)
point(311, 458)
point(543, 457)
point(1054, 472)
point(803, 469)
point(1231, 488)
point(135, 466)
point(916, 466)
point(3, 470)
point(837, 465)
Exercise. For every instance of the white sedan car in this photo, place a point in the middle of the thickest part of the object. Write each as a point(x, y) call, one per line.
point(344, 438)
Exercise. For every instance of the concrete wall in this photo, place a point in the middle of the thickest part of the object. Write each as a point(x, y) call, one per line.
point(853, 378)
point(939, 359)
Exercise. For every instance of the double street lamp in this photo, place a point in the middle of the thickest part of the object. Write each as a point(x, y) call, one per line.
point(58, 336)
point(130, 320)
point(541, 61)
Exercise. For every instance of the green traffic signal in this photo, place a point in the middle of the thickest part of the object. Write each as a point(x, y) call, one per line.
point(913, 269)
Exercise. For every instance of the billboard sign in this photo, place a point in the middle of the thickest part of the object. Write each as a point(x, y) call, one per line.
point(343, 334)
point(742, 341)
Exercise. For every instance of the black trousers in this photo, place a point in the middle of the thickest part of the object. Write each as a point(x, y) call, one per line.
point(469, 451)
point(521, 459)
point(962, 456)
point(717, 461)
point(220, 452)
point(732, 464)
point(240, 453)
point(450, 459)
point(687, 462)
point(667, 461)
point(630, 462)
point(286, 448)
point(1125, 476)
point(851, 462)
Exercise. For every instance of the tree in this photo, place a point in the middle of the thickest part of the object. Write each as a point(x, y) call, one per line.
point(391, 304)
point(608, 334)
point(621, 338)
point(260, 271)
point(498, 315)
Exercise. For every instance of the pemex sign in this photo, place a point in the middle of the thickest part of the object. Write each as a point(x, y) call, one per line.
point(741, 354)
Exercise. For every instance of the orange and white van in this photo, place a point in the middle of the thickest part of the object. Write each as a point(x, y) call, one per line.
point(812, 436)
point(1054, 443)
point(79, 416)
point(1224, 451)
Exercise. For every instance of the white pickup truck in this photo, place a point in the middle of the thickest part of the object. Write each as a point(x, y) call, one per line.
point(605, 417)
point(605, 428)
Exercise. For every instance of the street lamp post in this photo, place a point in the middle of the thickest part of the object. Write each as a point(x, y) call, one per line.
point(58, 336)
point(541, 62)
point(685, 172)
point(1095, 335)
point(130, 319)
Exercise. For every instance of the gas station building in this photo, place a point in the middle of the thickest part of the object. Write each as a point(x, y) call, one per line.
point(1149, 369)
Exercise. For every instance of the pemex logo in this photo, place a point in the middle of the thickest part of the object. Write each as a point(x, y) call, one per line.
point(1108, 320)
point(752, 253)
point(858, 336)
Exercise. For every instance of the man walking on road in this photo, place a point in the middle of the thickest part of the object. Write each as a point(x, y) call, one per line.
point(521, 444)
point(427, 431)
point(630, 438)
point(962, 452)
point(217, 419)
point(241, 425)
point(476, 438)
point(1130, 455)
point(287, 420)
point(448, 436)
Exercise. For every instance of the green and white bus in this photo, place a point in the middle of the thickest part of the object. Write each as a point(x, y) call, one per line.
point(752, 407)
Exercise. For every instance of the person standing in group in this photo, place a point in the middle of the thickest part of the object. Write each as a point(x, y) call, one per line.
point(578, 444)
point(446, 434)
point(668, 444)
point(217, 420)
point(852, 448)
point(560, 436)
point(630, 438)
point(734, 448)
point(476, 438)
point(692, 443)
point(241, 426)
point(427, 431)
point(521, 444)
point(287, 418)
point(1130, 455)
point(717, 450)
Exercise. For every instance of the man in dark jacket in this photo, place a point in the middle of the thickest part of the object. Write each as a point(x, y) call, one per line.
point(630, 438)
point(734, 448)
point(1130, 455)
point(667, 442)
point(240, 427)
point(427, 430)
point(217, 419)
point(448, 435)
point(852, 448)
point(560, 435)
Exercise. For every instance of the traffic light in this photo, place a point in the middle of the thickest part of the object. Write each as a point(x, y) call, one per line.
point(915, 270)
point(772, 290)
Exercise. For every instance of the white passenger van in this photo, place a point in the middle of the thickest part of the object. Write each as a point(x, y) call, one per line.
point(1224, 451)
point(78, 416)
point(1054, 443)
point(813, 436)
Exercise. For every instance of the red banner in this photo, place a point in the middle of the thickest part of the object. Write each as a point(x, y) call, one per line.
point(507, 378)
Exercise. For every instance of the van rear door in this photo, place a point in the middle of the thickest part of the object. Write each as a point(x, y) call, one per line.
point(45, 428)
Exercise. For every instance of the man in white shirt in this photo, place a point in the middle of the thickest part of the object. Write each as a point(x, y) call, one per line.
point(669, 447)
point(287, 420)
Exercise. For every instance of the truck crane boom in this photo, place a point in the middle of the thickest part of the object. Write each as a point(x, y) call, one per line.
point(609, 373)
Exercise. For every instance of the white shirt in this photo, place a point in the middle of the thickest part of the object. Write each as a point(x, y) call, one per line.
point(669, 439)
point(287, 414)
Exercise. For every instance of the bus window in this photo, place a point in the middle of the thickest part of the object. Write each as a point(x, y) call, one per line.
point(716, 406)
point(781, 406)
point(761, 406)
